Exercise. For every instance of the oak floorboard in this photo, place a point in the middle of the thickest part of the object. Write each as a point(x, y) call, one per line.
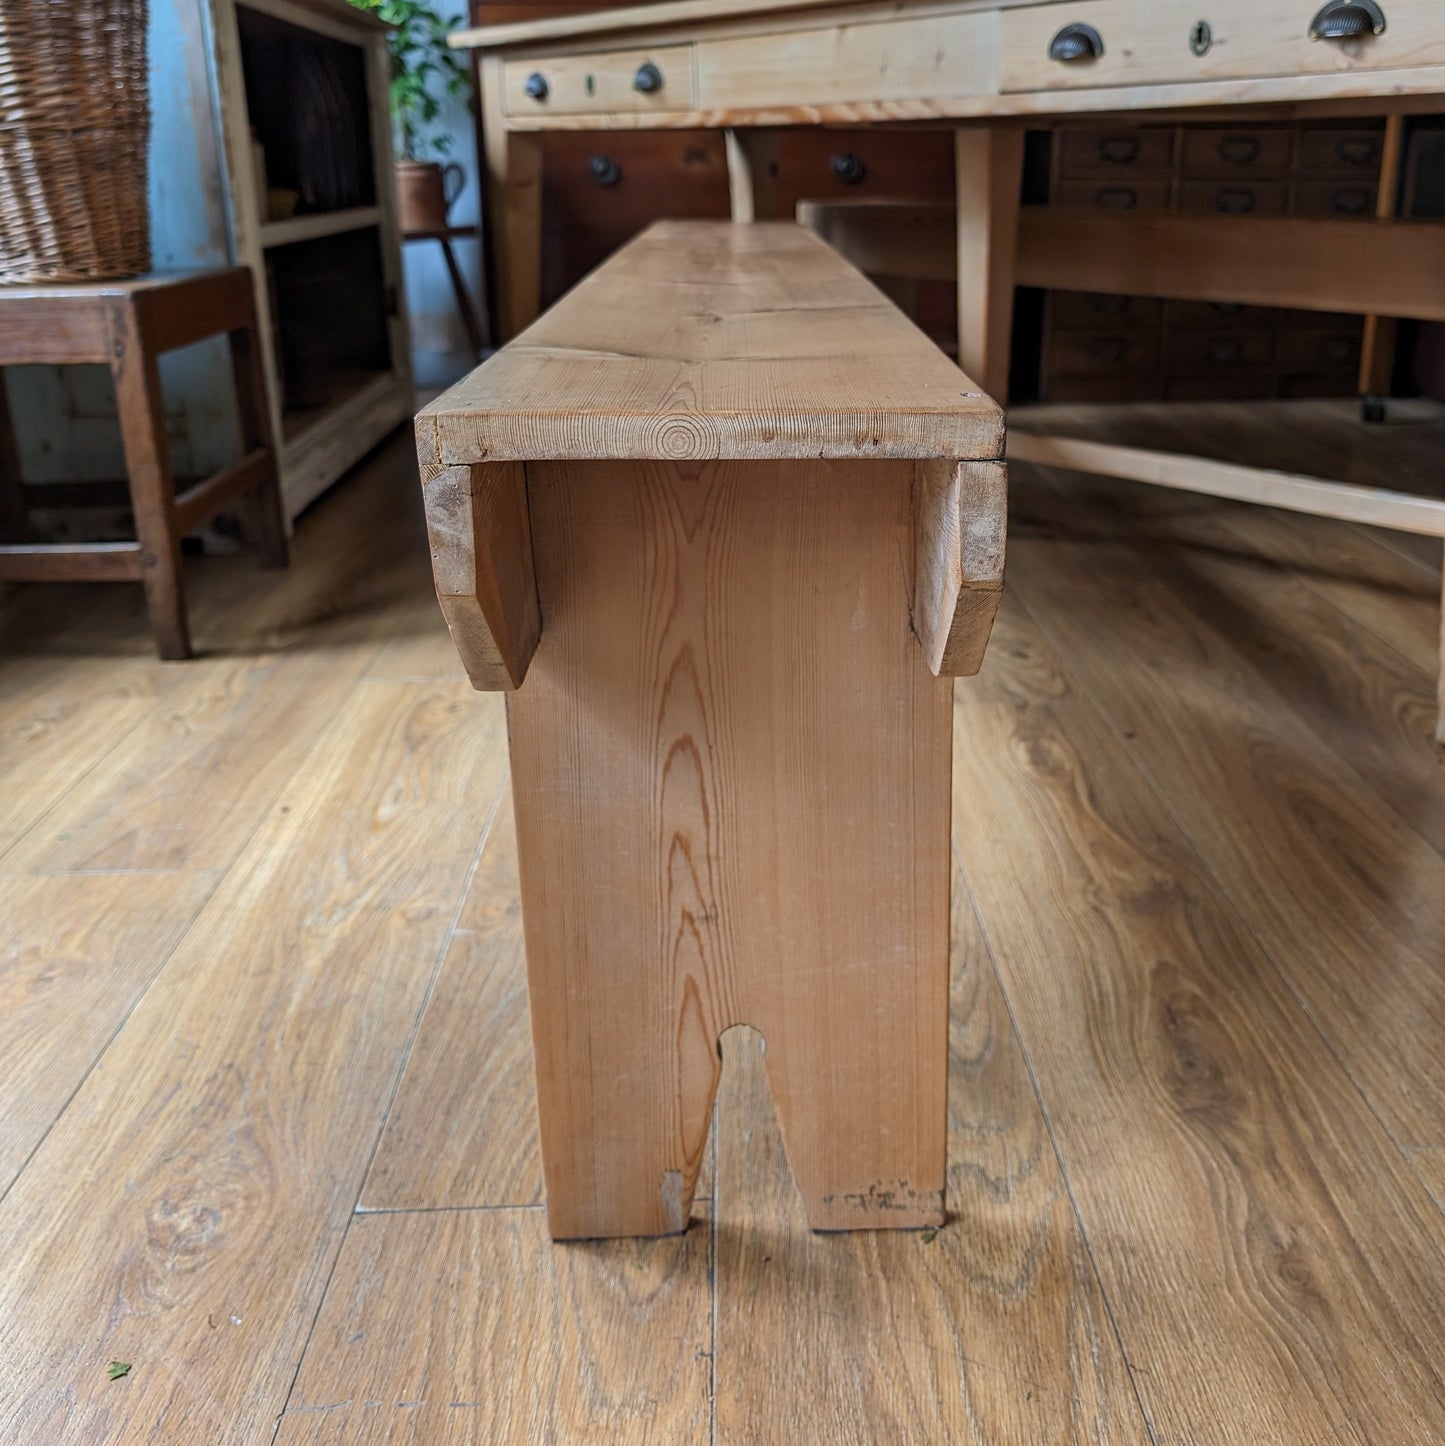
point(1372, 701)
point(228, 1127)
point(48, 742)
point(1298, 839)
point(451, 1327)
point(1276, 1269)
point(992, 1329)
point(75, 955)
point(462, 1132)
point(463, 1128)
point(83, 723)
point(184, 787)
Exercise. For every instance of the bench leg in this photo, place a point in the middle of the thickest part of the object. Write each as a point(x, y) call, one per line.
point(988, 170)
point(731, 769)
point(152, 486)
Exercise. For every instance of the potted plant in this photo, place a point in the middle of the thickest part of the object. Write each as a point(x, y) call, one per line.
point(423, 70)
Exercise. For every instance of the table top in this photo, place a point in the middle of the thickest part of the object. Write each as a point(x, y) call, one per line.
point(846, 62)
point(704, 339)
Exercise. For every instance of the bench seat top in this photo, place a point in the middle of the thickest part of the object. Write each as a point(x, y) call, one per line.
point(703, 339)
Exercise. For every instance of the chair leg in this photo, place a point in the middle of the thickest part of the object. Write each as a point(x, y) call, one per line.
point(13, 521)
point(152, 487)
point(255, 420)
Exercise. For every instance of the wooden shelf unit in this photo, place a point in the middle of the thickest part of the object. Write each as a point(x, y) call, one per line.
point(357, 378)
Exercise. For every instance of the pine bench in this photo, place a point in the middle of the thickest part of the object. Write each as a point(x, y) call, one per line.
point(726, 524)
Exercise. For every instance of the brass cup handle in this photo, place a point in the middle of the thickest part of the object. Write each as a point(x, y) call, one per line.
point(1347, 19)
point(1076, 42)
point(1238, 150)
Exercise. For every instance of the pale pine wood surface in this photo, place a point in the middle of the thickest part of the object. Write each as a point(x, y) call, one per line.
point(1175, 1200)
point(687, 344)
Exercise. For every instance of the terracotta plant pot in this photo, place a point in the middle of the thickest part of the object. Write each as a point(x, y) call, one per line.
point(424, 190)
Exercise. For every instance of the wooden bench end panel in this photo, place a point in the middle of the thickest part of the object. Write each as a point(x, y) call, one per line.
point(961, 517)
point(481, 548)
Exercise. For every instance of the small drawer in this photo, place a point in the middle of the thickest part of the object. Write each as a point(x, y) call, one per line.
point(1320, 352)
point(1160, 43)
point(824, 165)
point(1113, 195)
point(1340, 152)
point(1199, 352)
point(1258, 153)
point(848, 63)
point(1141, 388)
point(1334, 384)
point(1123, 152)
point(1101, 353)
point(1196, 315)
point(1234, 198)
point(1300, 320)
point(1091, 310)
point(1334, 198)
point(615, 83)
point(1235, 386)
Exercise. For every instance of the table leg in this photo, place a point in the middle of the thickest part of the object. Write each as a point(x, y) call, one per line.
point(988, 165)
point(13, 521)
point(731, 763)
point(752, 174)
point(152, 486)
point(514, 209)
point(464, 300)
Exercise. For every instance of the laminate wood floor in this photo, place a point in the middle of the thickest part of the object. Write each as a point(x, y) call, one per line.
point(266, 1106)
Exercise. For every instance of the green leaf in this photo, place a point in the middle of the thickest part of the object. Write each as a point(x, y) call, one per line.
point(116, 1369)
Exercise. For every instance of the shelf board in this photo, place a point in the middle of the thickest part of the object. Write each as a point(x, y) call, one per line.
point(345, 393)
point(319, 223)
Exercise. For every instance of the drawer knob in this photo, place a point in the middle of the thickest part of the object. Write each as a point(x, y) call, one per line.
point(1346, 19)
point(537, 86)
point(1238, 150)
point(1076, 42)
point(1358, 152)
point(648, 80)
point(1234, 202)
point(849, 168)
point(604, 170)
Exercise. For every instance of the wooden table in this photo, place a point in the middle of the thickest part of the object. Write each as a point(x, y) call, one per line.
point(989, 69)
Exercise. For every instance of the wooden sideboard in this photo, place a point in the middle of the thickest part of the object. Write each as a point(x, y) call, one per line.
point(986, 71)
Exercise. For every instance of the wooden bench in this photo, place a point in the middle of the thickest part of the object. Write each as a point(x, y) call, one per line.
point(727, 523)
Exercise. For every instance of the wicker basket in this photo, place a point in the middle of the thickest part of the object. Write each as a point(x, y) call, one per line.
point(74, 126)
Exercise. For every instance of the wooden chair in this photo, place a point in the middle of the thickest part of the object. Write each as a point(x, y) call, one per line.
point(127, 325)
point(726, 522)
